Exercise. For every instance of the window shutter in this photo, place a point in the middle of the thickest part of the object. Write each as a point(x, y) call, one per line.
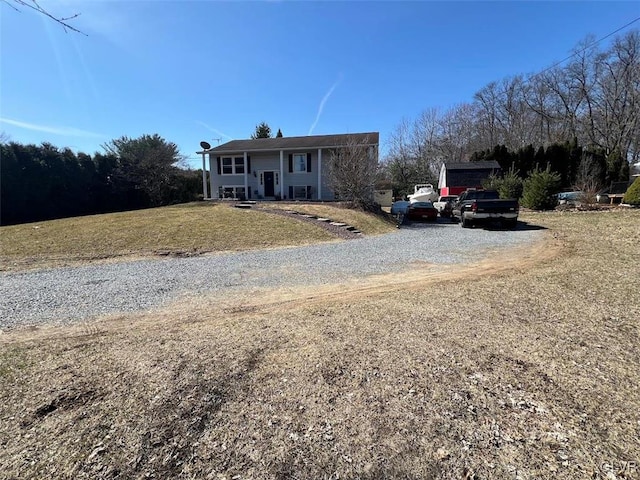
point(309, 187)
point(219, 168)
point(290, 192)
point(308, 162)
point(290, 163)
point(248, 164)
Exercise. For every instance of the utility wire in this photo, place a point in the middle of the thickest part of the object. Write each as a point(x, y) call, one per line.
point(592, 44)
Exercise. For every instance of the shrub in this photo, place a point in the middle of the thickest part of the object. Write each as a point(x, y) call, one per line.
point(589, 188)
point(632, 195)
point(493, 182)
point(509, 186)
point(540, 189)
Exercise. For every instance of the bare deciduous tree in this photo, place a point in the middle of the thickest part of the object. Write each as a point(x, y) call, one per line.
point(400, 162)
point(352, 172)
point(594, 100)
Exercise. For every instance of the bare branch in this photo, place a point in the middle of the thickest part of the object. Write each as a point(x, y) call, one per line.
point(34, 5)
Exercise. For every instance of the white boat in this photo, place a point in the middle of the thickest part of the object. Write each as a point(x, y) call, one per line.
point(423, 193)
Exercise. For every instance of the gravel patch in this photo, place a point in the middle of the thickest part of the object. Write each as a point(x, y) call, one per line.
point(70, 294)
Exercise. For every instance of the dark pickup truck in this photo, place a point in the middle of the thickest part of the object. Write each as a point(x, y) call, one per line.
point(483, 206)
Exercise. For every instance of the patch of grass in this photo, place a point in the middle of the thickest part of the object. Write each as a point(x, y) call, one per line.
point(12, 361)
point(524, 365)
point(367, 223)
point(183, 229)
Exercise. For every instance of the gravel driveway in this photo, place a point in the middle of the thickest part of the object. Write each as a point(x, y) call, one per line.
point(79, 293)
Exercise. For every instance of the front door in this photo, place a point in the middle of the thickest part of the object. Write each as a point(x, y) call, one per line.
point(268, 184)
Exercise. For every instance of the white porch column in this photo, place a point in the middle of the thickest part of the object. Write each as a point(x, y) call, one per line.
point(281, 174)
point(211, 170)
point(204, 178)
point(319, 174)
point(246, 178)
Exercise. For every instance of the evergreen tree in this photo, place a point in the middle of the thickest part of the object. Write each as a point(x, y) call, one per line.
point(511, 185)
point(279, 134)
point(575, 154)
point(479, 156)
point(508, 186)
point(540, 159)
point(540, 189)
point(525, 161)
point(501, 154)
point(45, 182)
point(624, 172)
point(558, 160)
point(614, 166)
point(263, 130)
point(632, 196)
point(146, 167)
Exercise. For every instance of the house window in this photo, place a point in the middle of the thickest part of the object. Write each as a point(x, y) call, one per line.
point(232, 191)
point(300, 192)
point(232, 165)
point(299, 162)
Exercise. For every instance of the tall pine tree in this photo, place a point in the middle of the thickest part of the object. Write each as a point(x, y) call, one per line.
point(263, 130)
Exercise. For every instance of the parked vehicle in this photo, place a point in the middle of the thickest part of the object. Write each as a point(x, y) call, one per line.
point(422, 211)
point(570, 198)
point(482, 206)
point(444, 205)
point(399, 207)
point(423, 193)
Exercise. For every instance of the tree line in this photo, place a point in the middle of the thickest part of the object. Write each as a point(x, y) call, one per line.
point(41, 182)
point(592, 101)
point(575, 165)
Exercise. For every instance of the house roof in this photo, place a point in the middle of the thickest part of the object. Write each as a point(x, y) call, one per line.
point(293, 143)
point(472, 165)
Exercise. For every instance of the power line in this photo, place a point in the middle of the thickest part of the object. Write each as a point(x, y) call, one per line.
point(592, 44)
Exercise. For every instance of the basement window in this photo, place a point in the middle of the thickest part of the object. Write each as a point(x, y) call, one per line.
point(232, 192)
point(300, 192)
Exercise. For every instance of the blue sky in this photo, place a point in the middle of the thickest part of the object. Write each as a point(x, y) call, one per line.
point(208, 70)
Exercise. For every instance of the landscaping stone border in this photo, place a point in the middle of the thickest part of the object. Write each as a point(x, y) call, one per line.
point(339, 229)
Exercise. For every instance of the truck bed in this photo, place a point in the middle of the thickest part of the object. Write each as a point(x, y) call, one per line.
point(483, 206)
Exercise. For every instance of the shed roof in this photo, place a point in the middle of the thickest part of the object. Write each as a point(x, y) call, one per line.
point(618, 187)
point(292, 143)
point(486, 164)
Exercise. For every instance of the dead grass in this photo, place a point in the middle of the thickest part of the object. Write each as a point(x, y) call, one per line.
point(526, 365)
point(365, 222)
point(190, 229)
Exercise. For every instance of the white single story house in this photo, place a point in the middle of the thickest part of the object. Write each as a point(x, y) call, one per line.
point(292, 168)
